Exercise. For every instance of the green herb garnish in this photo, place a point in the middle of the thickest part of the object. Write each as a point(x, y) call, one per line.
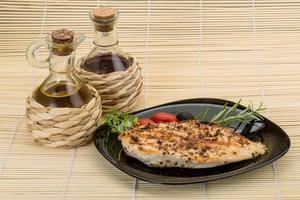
point(225, 116)
point(119, 121)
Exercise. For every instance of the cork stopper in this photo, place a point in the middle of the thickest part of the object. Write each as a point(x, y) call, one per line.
point(62, 36)
point(104, 13)
point(104, 18)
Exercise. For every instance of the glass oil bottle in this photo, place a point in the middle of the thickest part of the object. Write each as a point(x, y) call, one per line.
point(106, 57)
point(62, 87)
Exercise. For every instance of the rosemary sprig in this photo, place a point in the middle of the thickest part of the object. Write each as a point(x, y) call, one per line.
point(202, 115)
point(225, 116)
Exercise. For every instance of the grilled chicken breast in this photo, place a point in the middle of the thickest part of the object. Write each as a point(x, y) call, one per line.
point(188, 144)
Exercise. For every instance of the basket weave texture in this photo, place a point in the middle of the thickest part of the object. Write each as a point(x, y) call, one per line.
point(63, 127)
point(118, 90)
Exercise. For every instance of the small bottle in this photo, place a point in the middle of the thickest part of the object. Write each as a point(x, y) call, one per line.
point(106, 57)
point(62, 88)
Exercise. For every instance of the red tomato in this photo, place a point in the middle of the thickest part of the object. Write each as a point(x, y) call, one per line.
point(164, 117)
point(145, 121)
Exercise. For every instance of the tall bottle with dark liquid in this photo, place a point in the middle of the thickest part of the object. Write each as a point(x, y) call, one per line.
point(62, 88)
point(106, 57)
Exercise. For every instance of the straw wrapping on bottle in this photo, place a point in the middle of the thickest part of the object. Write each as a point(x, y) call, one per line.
point(63, 127)
point(118, 90)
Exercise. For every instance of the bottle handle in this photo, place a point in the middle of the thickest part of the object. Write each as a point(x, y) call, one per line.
point(32, 57)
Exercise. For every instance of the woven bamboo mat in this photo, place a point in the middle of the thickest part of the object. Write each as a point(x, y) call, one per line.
point(229, 49)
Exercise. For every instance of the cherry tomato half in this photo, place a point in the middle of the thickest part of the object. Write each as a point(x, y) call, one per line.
point(145, 121)
point(164, 117)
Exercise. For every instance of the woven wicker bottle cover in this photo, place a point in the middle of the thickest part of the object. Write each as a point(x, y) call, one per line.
point(57, 119)
point(119, 88)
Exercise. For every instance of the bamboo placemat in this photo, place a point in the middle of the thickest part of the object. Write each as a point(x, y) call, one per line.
point(229, 49)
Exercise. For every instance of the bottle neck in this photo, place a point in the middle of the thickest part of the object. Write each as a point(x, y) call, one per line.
point(62, 64)
point(105, 35)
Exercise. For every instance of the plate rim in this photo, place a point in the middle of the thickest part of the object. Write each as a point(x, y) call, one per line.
point(228, 174)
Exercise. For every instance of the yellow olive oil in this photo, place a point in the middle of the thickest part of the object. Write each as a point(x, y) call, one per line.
point(63, 94)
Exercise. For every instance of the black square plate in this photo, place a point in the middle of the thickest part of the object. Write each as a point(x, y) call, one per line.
point(276, 140)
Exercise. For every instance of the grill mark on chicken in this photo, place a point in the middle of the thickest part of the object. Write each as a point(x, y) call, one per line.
point(188, 144)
